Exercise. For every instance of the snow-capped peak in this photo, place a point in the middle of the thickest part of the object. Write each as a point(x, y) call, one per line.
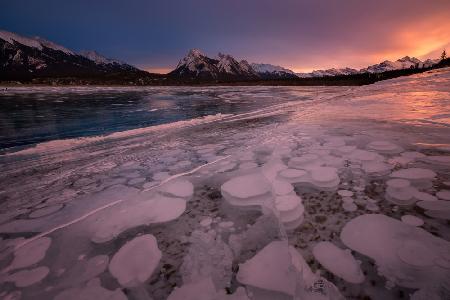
point(227, 63)
point(195, 53)
point(53, 46)
point(35, 42)
point(98, 58)
point(268, 68)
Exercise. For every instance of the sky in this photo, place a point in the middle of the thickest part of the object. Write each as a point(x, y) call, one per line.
point(302, 35)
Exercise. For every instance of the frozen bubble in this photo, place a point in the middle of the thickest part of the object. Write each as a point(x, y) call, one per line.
point(141, 211)
point(391, 242)
point(376, 168)
point(135, 261)
point(303, 161)
point(226, 224)
point(281, 187)
point(345, 193)
point(274, 257)
point(398, 183)
point(339, 262)
point(247, 186)
point(30, 253)
point(348, 200)
point(26, 278)
point(438, 214)
point(400, 160)
point(349, 206)
point(364, 156)
point(287, 203)
point(206, 222)
point(414, 174)
point(443, 194)
point(403, 196)
point(292, 175)
point(434, 205)
point(416, 254)
point(372, 206)
point(412, 220)
point(422, 196)
point(180, 188)
point(324, 174)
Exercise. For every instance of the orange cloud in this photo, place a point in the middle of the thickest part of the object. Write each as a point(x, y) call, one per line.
point(424, 38)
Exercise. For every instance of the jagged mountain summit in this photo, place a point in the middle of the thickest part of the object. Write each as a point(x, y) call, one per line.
point(402, 63)
point(268, 71)
point(197, 66)
point(25, 58)
point(328, 72)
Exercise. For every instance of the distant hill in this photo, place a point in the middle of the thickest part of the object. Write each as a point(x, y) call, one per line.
point(24, 58)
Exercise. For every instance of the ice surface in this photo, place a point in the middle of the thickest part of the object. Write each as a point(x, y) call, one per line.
point(45, 211)
point(208, 256)
point(237, 202)
point(133, 264)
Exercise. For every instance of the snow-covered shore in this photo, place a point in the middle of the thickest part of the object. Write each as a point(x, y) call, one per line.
point(345, 196)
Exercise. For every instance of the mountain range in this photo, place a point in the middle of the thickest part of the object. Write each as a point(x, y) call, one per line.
point(25, 58)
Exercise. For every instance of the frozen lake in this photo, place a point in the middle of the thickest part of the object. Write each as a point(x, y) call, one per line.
point(30, 115)
point(283, 193)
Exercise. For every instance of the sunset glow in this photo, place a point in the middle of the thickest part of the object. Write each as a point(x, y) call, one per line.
point(300, 35)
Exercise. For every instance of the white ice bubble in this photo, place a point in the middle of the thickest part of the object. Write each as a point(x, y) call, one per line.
point(252, 189)
point(339, 262)
point(135, 261)
point(414, 174)
point(30, 254)
point(26, 278)
point(404, 254)
point(443, 194)
point(345, 193)
point(146, 209)
point(412, 220)
point(179, 188)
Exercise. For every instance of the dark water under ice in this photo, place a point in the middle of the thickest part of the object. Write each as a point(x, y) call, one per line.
point(30, 115)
